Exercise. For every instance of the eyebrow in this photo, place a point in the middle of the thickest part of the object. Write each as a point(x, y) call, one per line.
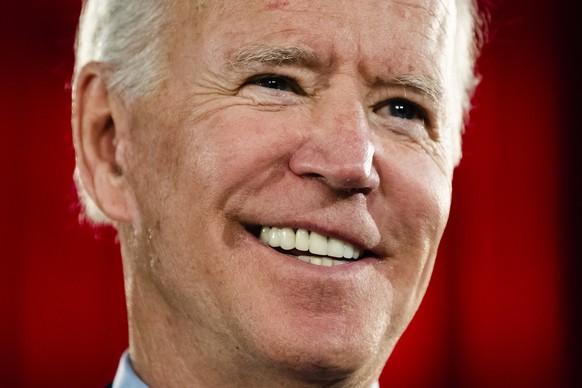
point(422, 85)
point(262, 55)
point(259, 55)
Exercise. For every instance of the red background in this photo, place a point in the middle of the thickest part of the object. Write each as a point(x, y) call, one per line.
point(503, 306)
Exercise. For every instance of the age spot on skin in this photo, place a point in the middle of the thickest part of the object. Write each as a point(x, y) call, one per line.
point(277, 4)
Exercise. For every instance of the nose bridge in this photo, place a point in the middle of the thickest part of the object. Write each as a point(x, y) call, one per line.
point(338, 147)
point(346, 128)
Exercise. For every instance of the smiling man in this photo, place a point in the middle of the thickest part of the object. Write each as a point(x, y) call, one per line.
point(279, 173)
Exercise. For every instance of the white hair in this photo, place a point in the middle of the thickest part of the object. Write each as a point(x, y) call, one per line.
point(129, 36)
point(469, 40)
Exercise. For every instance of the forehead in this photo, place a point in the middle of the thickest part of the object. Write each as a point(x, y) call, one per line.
point(377, 32)
point(377, 9)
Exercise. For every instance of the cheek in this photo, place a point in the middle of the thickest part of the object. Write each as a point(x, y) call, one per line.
point(239, 147)
point(415, 194)
point(411, 209)
point(151, 158)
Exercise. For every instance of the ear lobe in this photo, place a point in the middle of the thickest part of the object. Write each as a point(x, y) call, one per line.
point(99, 142)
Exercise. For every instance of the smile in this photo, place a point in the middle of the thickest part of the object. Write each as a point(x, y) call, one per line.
point(310, 247)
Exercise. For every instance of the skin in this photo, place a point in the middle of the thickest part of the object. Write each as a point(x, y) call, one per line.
point(186, 171)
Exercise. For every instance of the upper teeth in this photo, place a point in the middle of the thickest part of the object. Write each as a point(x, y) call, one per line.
point(304, 240)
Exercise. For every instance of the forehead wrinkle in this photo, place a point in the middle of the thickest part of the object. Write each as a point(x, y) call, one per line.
point(257, 55)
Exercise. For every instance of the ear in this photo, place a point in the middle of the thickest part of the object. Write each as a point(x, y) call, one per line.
point(98, 131)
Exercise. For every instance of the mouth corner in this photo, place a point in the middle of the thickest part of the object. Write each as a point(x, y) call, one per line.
point(255, 230)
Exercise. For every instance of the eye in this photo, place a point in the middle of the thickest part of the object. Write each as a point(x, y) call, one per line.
point(401, 109)
point(276, 82)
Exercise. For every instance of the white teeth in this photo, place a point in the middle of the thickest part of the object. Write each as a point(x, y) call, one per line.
point(315, 243)
point(335, 247)
point(304, 258)
point(322, 261)
point(265, 234)
point(287, 238)
point(302, 240)
point(348, 251)
point(275, 237)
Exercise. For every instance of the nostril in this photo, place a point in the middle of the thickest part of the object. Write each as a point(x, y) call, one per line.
point(353, 191)
point(345, 188)
point(350, 185)
point(313, 175)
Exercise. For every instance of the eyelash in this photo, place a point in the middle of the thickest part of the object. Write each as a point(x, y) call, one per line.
point(403, 109)
point(408, 109)
point(291, 84)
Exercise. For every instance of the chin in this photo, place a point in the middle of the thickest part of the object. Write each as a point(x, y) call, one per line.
point(329, 350)
point(323, 370)
point(332, 365)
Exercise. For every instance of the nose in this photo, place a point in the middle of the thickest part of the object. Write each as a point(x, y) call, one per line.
point(337, 149)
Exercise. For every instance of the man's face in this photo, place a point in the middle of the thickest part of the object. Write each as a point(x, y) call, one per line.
point(327, 118)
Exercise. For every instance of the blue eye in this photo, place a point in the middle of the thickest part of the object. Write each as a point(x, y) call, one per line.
point(402, 109)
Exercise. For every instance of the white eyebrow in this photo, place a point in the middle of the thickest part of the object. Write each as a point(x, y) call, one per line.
point(259, 55)
point(423, 85)
point(263, 55)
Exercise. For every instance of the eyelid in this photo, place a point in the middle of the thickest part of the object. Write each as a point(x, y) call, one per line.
point(293, 84)
point(420, 110)
point(426, 121)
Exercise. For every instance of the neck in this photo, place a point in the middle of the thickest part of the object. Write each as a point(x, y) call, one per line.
point(170, 347)
point(162, 355)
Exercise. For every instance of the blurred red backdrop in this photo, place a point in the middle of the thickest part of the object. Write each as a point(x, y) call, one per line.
point(502, 309)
